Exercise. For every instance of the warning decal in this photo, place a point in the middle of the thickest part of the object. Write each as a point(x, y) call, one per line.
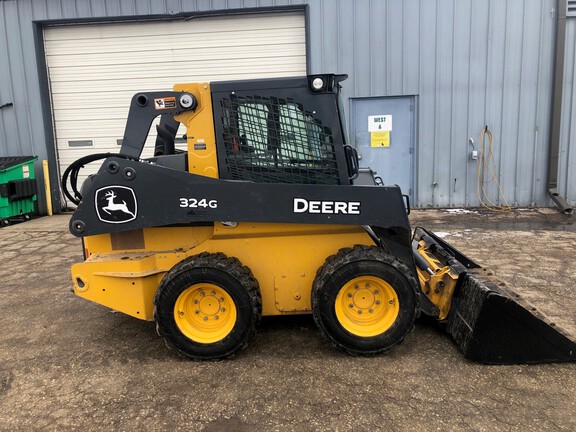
point(165, 103)
point(380, 139)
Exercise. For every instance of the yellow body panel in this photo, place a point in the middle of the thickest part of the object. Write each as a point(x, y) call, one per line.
point(202, 156)
point(284, 259)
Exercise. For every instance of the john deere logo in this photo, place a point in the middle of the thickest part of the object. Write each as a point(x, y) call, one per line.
point(116, 204)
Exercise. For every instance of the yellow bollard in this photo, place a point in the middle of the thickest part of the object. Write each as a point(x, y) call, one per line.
point(47, 186)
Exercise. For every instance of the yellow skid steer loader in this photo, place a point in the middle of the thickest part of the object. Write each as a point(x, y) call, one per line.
point(267, 213)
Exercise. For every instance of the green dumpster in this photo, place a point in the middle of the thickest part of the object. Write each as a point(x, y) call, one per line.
point(17, 187)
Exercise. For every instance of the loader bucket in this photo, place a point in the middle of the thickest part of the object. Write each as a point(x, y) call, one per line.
point(493, 324)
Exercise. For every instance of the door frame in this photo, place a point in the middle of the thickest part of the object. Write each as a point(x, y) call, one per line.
point(412, 192)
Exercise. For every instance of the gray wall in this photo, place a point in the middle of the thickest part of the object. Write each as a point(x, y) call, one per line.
point(470, 62)
point(567, 164)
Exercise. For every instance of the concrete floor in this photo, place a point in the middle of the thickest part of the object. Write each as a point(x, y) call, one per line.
point(66, 363)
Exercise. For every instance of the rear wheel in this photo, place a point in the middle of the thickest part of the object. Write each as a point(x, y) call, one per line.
point(364, 300)
point(208, 306)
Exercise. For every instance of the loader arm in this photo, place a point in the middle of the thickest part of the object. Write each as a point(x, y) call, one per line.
point(184, 198)
point(144, 108)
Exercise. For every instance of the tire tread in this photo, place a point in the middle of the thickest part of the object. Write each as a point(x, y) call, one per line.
point(218, 261)
point(354, 254)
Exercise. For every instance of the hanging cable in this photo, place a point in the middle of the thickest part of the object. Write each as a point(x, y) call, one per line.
point(72, 171)
point(486, 174)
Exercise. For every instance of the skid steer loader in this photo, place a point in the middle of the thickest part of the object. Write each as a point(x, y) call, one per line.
point(267, 213)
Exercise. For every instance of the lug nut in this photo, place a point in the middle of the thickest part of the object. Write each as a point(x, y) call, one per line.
point(359, 312)
point(181, 313)
point(215, 317)
point(377, 302)
point(223, 309)
point(196, 312)
point(370, 310)
point(195, 301)
point(349, 295)
point(375, 292)
point(205, 318)
point(351, 305)
point(213, 293)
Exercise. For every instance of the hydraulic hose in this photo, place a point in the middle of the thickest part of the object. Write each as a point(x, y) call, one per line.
point(75, 167)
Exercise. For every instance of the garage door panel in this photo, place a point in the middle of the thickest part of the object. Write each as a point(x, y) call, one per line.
point(135, 85)
point(177, 68)
point(90, 113)
point(183, 28)
point(178, 43)
point(77, 130)
point(163, 56)
point(255, 51)
point(87, 99)
point(123, 79)
point(95, 69)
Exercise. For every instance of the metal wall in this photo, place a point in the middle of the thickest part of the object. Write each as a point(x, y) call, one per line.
point(471, 63)
point(567, 156)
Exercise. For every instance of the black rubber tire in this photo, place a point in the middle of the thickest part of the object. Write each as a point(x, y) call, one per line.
point(228, 274)
point(343, 267)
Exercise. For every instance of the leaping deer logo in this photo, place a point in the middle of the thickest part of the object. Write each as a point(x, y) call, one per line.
point(112, 206)
point(116, 204)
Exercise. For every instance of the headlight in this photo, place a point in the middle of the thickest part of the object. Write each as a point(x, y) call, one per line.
point(317, 83)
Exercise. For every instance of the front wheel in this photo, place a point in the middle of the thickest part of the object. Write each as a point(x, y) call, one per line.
point(208, 306)
point(364, 300)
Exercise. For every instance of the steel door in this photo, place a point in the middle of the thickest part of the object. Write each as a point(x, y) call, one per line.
point(383, 132)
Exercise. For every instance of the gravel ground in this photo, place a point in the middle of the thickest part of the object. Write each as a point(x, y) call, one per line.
point(68, 364)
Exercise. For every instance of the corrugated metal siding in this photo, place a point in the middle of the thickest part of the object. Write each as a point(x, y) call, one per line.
point(21, 128)
point(470, 62)
point(567, 156)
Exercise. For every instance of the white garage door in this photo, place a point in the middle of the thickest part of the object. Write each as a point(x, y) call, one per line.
point(95, 69)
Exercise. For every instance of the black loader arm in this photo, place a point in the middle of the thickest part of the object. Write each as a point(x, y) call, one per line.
point(154, 196)
point(163, 196)
point(144, 108)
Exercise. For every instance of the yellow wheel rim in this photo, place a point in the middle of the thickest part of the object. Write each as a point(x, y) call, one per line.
point(205, 313)
point(367, 306)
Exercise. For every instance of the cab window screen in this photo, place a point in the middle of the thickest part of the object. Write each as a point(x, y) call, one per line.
point(272, 140)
